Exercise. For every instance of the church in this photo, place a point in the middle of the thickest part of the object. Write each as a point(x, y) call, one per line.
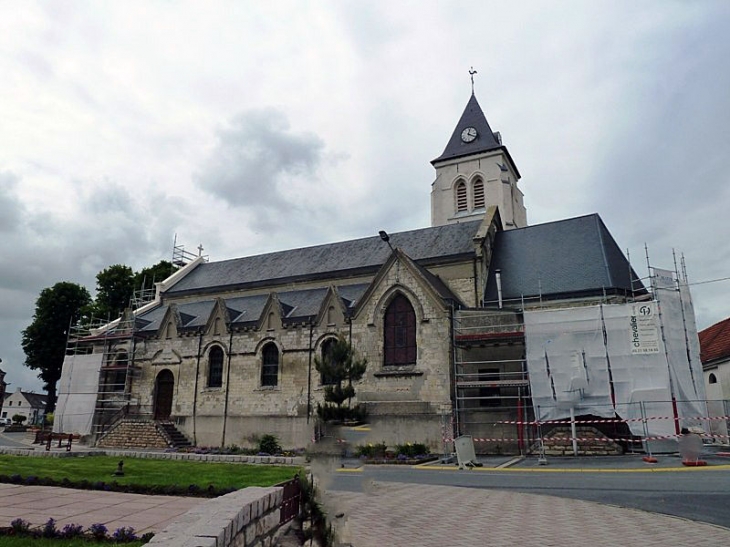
point(475, 325)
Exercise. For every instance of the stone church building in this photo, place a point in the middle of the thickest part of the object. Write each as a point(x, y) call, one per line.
point(226, 350)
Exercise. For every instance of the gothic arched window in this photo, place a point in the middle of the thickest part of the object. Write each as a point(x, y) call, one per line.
point(270, 365)
point(478, 194)
point(400, 333)
point(461, 202)
point(713, 379)
point(215, 367)
point(327, 346)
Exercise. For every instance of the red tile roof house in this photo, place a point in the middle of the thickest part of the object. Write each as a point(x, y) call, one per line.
point(715, 356)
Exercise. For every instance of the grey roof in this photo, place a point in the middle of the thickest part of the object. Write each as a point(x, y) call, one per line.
point(35, 400)
point(295, 306)
point(567, 258)
point(485, 141)
point(350, 294)
point(246, 309)
point(301, 304)
point(359, 256)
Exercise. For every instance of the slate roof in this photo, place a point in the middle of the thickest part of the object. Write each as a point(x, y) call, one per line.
point(247, 310)
point(426, 246)
point(485, 141)
point(715, 342)
point(568, 258)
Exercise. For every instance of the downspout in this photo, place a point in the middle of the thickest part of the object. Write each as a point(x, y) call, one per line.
point(195, 389)
point(476, 284)
point(228, 386)
point(498, 278)
point(309, 373)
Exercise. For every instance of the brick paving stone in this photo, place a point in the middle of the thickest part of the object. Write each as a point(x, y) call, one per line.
point(395, 514)
point(37, 504)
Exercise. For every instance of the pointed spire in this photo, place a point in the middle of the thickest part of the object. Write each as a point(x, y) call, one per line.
point(472, 134)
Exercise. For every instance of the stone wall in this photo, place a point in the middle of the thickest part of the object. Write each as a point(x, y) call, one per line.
point(250, 409)
point(245, 518)
point(591, 442)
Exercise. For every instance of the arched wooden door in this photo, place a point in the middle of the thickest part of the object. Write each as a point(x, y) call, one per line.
point(164, 387)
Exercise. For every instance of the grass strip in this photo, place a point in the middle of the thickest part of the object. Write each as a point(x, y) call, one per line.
point(148, 472)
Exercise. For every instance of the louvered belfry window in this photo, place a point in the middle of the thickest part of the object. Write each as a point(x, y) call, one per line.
point(400, 333)
point(478, 194)
point(461, 203)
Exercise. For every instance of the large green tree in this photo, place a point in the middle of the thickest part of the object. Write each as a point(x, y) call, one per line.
point(114, 288)
point(44, 341)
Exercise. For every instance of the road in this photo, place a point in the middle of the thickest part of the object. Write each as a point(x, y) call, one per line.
point(13, 440)
point(698, 494)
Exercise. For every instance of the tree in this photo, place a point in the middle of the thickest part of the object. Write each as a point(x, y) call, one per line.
point(341, 369)
point(44, 340)
point(147, 277)
point(114, 288)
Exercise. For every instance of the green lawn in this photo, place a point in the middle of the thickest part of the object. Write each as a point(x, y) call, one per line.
point(148, 472)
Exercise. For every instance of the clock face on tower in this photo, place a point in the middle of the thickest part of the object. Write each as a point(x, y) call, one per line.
point(469, 134)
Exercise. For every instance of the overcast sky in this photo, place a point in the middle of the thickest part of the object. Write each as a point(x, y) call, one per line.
point(259, 126)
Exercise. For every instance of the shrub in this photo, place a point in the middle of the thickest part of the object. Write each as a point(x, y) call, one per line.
point(19, 418)
point(20, 526)
point(49, 529)
point(71, 531)
point(411, 450)
point(372, 451)
point(124, 535)
point(98, 531)
point(269, 444)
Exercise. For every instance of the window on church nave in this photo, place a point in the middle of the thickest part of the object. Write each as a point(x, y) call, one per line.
point(327, 347)
point(270, 365)
point(215, 367)
point(478, 194)
point(400, 333)
point(461, 203)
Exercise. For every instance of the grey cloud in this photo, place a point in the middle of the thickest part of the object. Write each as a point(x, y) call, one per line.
point(255, 156)
point(11, 208)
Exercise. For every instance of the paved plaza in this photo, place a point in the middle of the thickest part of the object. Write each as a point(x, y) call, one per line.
point(397, 514)
point(36, 504)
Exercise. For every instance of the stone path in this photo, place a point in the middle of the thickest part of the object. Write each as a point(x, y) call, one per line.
point(395, 514)
point(37, 504)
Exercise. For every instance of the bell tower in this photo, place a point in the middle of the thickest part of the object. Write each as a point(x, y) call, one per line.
point(474, 172)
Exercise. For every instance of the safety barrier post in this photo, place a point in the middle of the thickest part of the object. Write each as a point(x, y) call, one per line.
point(573, 431)
point(541, 460)
point(648, 458)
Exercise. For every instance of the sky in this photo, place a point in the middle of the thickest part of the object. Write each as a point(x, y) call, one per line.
point(251, 127)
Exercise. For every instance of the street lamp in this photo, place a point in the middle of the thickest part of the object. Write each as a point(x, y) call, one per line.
point(385, 237)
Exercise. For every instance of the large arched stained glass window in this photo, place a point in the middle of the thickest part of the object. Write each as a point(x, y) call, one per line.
point(400, 333)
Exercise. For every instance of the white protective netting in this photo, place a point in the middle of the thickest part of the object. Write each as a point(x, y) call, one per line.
point(77, 393)
point(610, 360)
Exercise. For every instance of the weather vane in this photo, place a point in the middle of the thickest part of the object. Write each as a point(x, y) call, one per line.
point(471, 73)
